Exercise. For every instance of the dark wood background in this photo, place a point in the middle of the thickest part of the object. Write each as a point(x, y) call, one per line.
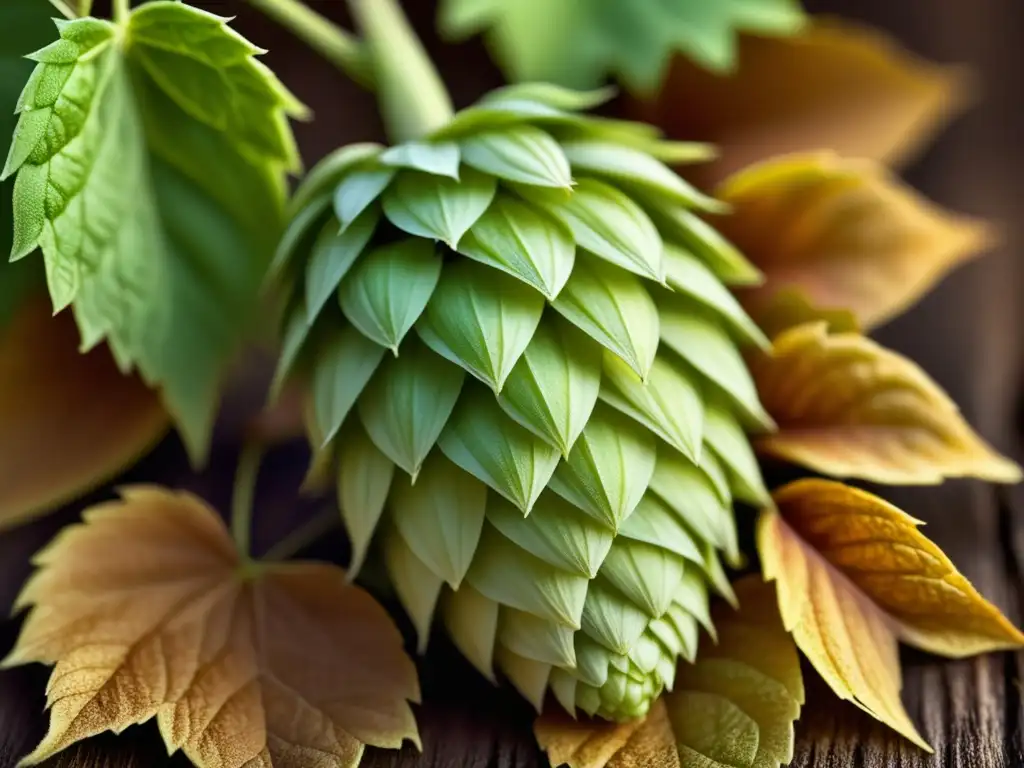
point(967, 334)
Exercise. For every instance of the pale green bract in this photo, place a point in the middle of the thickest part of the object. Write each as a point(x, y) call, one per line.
point(503, 380)
point(151, 158)
point(580, 43)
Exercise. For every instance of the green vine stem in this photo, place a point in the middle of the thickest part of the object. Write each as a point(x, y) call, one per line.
point(413, 98)
point(122, 10)
point(304, 535)
point(84, 8)
point(335, 44)
point(243, 495)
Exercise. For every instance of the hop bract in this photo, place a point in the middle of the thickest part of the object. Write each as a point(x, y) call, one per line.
point(525, 369)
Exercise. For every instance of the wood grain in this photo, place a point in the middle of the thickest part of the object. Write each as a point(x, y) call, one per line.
point(967, 335)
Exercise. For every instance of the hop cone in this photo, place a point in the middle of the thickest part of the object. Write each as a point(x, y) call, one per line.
point(525, 370)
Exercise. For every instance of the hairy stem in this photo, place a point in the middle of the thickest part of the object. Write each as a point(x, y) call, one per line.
point(335, 44)
point(122, 9)
point(243, 495)
point(304, 535)
point(413, 99)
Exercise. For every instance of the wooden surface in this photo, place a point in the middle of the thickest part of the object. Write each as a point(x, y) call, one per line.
point(968, 335)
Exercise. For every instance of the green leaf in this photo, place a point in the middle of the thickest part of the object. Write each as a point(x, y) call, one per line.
point(418, 588)
point(519, 153)
point(148, 151)
point(610, 619)
point(555, 531)
point(670, 403)
point(550, 95)
point(691, 496)
point(608, 469)
point(612, 307)
point(437, 158)
point(630, 166)
point(298, 236)
point(358, 190)
point(652, 522)
point(512, 576)
point(697, 337)
point(326, 174)
point(607, 222)
point(485, 442)
point(554, 386)
point(293, 338)
point(689, 275)
point(481, 319)
point(645, 574)
point(364, 479)
point(535, 638)
point(409, 404)
point(390, 287)
point(523, 241)
point(441, 517)
point(333, 254)
point(345, 361)
point(438, 208)
point(726, 438)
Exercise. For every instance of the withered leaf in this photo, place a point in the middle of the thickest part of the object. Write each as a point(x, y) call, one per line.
point(146, 611)
point(854, 576)
point(790, 307)
point(847, 407)
point(837, 85)
point(68, 422)
point(845, 232)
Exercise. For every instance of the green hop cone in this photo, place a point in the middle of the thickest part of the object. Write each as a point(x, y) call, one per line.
point(525, 369)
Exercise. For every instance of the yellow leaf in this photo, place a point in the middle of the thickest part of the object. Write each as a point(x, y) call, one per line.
point(837, 86)
point(845, 232)
point(146, 611)
point(853, 576)
point(68, 422)
point(847, 407)
point(591, 743)
point(736, 705)
point(790, 307)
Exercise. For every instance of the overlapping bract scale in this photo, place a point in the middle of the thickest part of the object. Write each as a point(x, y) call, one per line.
point(529, 380)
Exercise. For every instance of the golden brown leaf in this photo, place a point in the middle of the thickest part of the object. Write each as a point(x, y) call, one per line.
point(147, 611)
point(853, 576)
point(589, 743)
point(68, 422)
point(736, 705)
point(847, 407)
point(837, 86)
point(789, 307)
point(845, 232)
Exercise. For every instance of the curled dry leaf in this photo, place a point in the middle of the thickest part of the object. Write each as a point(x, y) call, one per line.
point(845, 232)
point(68, 422)
point(146, 611)
point(847, 407)
point(837, 85)
point(854, 576)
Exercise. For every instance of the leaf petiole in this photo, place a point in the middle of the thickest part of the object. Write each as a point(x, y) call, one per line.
point(304, 535)
point(243, 493)
point(338, 46)
point(122, 10)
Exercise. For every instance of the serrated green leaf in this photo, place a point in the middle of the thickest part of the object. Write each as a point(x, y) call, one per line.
point(523, 241)
point(608, 469)
point(631, 166)
point(440, 516)
point(654, 523)
point(326, 174)
point(437, 158)
point(646, 575)
point(690, 495)
point(606, 222)
point(555, 531)
point(696, 336)
point(345, 361)
point(724, 435)
point(481, 319)
point(612, 307)
point(388, 290)
point(512, 576)
point(332, 256)
point(686, 273)
point(520, 153)
point(438, 208)
point(364, 479)
point(485, 442)
point(554, 386)
point(409, 404)
point(535, 638)
point(357, 190)
point(129, 163)
point(670, 403)
point(610, 619)
point(417, 586)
